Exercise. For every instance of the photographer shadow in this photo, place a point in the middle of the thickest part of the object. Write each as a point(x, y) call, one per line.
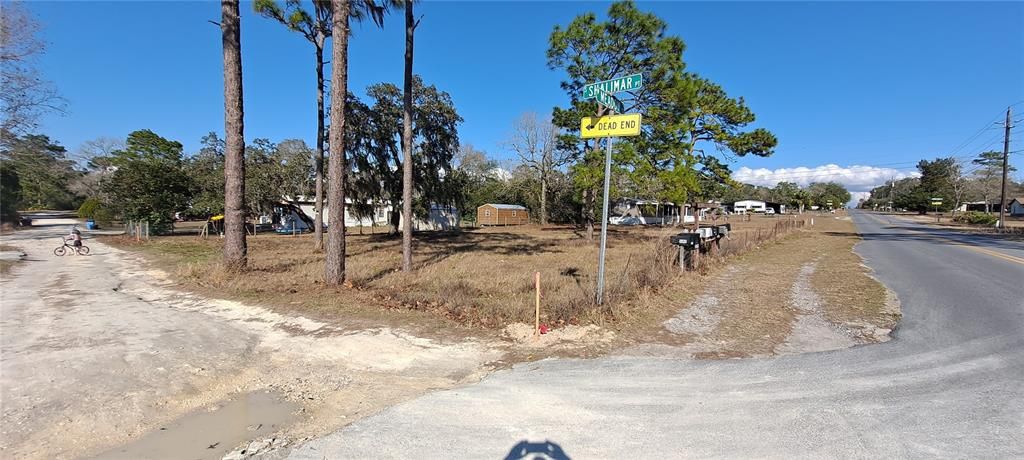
point(546, 450)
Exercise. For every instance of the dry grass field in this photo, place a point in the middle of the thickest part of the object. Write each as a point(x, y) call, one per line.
point(1014, 225)
point(478, 277)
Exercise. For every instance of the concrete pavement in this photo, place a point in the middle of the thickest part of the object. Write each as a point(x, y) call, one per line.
point(948, 385)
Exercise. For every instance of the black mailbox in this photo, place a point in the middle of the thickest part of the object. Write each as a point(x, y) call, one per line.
point(687, 240)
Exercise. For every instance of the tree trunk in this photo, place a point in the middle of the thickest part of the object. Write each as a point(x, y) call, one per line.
point(410, 29)
point(396, 220)
point(543, 198)
point(235, 249)
point(334, 269)
point(318, 219)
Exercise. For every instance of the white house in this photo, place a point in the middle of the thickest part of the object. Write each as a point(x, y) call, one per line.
point(440, 218)
point(633, 211)
point(745, 206)
point(979, 206)
point(757, 206)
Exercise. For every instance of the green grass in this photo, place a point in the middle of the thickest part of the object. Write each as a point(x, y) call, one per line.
point(174, 251)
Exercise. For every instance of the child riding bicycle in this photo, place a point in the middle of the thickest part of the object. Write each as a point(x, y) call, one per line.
point(75, 238)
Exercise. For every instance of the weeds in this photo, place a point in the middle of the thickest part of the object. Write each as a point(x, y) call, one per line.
point(481, 277)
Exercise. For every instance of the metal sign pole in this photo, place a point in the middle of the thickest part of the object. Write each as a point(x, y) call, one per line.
point(604, 222)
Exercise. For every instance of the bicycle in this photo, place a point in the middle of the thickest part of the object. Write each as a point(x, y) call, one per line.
point(82, 250)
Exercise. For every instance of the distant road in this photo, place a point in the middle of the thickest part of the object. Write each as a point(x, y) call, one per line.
point(951, 383)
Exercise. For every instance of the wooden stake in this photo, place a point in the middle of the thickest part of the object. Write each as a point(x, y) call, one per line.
point(536, 321)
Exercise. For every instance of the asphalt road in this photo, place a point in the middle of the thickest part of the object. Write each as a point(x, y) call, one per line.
point(951, 383)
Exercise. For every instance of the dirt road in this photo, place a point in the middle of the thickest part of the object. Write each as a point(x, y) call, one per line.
point(96, 353)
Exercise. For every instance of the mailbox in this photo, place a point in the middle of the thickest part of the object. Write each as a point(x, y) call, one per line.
point(723, 229)
point(686, 240)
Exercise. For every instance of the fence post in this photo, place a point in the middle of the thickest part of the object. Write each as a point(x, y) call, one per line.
point(536, 321)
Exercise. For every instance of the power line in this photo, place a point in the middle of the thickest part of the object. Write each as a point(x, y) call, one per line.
point(974, 136)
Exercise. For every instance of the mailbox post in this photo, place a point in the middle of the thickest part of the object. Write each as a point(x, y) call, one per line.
point(688, 243)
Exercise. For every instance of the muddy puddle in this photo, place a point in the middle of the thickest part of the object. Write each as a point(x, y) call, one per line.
point(212, 432)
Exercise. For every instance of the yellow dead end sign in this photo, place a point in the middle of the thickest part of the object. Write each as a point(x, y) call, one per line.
point(610, 125)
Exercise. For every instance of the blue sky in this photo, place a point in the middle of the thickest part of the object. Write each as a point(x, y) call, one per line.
point(872, 84)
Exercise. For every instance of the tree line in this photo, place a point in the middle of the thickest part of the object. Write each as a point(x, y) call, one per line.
point(400, 146)
point(148, 177)
point(953, 180)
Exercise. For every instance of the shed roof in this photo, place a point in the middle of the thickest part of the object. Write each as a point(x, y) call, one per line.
point(505, 206)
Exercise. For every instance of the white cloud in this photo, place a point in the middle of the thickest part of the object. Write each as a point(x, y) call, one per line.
point(859, 180)
point(855, 178)
point(855, 197)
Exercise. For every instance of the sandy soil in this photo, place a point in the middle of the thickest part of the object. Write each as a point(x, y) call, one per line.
point(96, 351)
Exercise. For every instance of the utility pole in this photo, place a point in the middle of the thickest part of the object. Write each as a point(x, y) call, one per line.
point(1006, 159)
point(892, 191)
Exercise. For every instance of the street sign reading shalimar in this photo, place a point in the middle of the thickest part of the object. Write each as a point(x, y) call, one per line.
point(627, 83)
point(609, 127)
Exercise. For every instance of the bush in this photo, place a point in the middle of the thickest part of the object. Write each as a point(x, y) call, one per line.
point(88, 208)
point(976, 218)
point(94, 209)
point(10, 193)
point(104, 216)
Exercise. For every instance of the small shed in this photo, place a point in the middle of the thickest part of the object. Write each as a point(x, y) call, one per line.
point(502, 214)
point(1015, 206)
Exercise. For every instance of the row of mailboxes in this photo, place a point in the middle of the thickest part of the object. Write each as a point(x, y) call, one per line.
point(692, 240)
point(686, 240)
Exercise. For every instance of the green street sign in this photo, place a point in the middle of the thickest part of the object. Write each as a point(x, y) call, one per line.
point(608, 100)
point(627, 83)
